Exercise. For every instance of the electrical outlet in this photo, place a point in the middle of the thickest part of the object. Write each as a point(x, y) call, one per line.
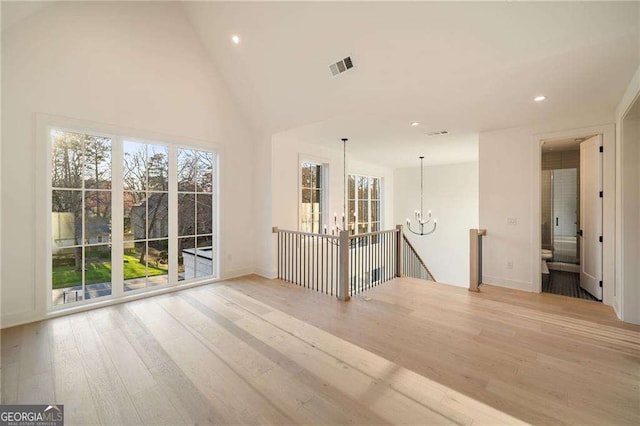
point(509, 264)
point(512, 220)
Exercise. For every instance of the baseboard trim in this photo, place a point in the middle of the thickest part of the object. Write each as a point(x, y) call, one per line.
point(21, 318)
point(269, 274)
point(507, 283)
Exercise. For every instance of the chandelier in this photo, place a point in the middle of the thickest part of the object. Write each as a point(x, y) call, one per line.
point(336, 228)
point(419, 214)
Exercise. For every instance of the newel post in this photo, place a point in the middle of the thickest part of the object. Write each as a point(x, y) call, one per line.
point(399, 254)
point(475, 258)
point(343, 271)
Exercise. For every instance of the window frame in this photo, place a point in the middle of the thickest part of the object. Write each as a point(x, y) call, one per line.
point(324, 189)
point(356, 200)
point(45, 123)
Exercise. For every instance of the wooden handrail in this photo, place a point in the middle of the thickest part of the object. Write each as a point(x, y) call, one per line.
point(275, 230)
point(415, 252)
point(371, 234)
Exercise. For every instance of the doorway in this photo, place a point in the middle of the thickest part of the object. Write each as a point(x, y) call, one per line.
point(571, 216)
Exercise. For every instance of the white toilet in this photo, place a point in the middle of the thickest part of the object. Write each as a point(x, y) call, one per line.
point(547, 254)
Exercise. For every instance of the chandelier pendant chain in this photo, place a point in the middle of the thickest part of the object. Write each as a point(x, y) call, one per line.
point(420, 214)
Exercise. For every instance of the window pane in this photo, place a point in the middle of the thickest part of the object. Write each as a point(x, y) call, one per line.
point(204, 257)
point(158, 168)
point(66, 218)
point(135, 216)
point(363, 211)
point(316, 223)
point(66, 275)
point(375, 211)
point(306, 196)
point(362, 228)
point(375, 189)
point(158, 262)
point(186, 170)
point(316, 201)
point(204, 166)
point(134, 166)
point(312, 175)
point(363, 187)
point(97, 217)
point(186, 214)
point(66, 168)
point(317, 176)
point(135, 265)
point(158, 215)
point(352, 211)
point(97, 271)
point(306, 176)
point(186, 258)
point(351, 183)
point(204, 209)
point(97, 163)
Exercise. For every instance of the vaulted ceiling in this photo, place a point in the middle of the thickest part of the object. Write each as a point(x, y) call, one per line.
point(461, 67)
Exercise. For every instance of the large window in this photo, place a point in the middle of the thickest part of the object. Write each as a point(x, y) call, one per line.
point(148, 187)
point(80, 217)
point(364, 204)
point(311, 205)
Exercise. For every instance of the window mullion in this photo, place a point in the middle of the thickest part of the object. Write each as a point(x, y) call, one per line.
point(173, 215)
point(117, 217)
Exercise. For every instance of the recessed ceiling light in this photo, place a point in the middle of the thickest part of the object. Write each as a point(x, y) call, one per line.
point(415, 123)
point(578, 140)
point(235, 39)
point(540, 98)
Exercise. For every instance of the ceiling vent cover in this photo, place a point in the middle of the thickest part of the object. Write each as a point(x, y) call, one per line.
point(341, 66)
point(439, 133)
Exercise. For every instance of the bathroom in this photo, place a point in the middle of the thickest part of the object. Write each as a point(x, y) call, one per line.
point(560, 217)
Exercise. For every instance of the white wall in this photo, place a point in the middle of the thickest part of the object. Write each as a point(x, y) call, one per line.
point(451, 193)
point(285, 157)
point(628, 205)
point(510, 188)
point(133, 65)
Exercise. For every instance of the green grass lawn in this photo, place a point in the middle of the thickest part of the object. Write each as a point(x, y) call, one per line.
point(66, 276)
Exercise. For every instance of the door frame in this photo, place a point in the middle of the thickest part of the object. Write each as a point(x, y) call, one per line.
point(608, 132)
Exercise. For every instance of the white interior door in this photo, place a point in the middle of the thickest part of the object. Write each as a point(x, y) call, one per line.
point(591, 216)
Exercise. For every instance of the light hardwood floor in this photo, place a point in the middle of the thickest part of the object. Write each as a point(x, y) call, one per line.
point(266, 352)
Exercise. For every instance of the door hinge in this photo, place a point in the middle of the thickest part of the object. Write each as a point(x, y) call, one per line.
point(600, 238)
point(601, 194)
point(601, 148)
point(600, 284)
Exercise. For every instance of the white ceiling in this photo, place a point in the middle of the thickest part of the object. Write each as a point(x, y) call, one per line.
point(15, 11)
point(388, 142)
point(461, 67)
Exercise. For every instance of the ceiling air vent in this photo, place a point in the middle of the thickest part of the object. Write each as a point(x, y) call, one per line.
point(341, 66)
point(440, 133)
